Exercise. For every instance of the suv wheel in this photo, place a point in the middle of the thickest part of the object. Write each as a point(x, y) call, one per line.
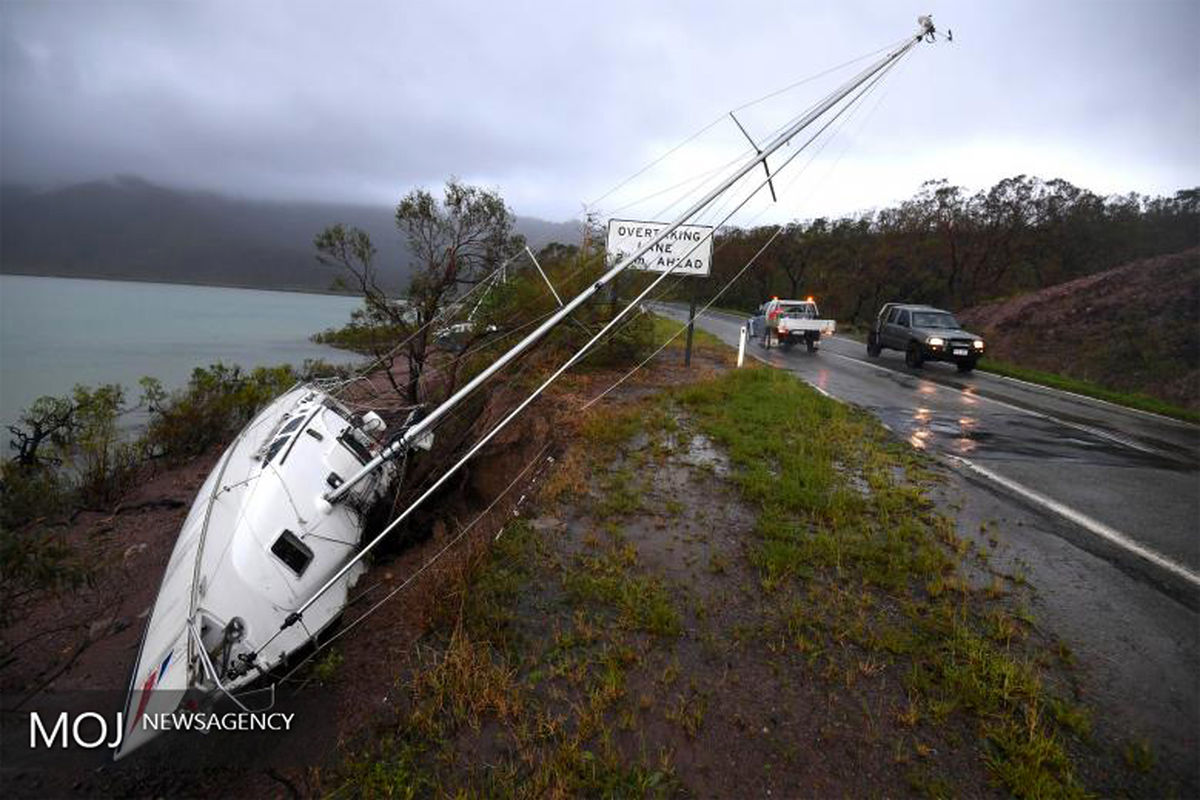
point(873, 348)
point(966, 366)
point(913, 357)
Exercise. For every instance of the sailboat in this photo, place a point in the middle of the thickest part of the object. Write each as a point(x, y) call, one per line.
point(273, 544)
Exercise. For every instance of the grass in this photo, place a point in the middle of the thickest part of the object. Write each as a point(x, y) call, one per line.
point(702, 340)
point(560, 666)
point(1054, 380)
point(900, 558)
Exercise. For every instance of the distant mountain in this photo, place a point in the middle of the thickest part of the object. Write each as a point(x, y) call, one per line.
point(128, 228)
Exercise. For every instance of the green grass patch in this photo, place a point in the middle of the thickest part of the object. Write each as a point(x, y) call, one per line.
point(1054, 380)
point(702, 340)
point(881, 568)
point(637, 602)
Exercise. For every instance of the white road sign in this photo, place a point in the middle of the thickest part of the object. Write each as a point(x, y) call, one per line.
point(688, 248)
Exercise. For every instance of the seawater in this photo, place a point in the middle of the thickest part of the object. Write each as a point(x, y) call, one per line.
point(59, 332)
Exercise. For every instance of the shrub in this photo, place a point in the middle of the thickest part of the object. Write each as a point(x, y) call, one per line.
point(217, 402)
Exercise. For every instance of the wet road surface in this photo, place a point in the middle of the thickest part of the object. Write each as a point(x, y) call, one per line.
point(1128, 480)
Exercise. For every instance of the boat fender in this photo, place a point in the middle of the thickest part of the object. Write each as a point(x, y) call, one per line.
point(323, 506)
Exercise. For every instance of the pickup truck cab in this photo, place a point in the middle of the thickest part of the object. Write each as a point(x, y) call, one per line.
point(923, 333)
point(788, 322)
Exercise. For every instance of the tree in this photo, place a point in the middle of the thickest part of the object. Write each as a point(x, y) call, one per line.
point(454, 242)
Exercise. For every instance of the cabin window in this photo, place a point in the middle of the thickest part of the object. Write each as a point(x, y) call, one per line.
point(293, 552)
point(902, 319)
point(275, 448)
point(291, 426)
point(314, 434)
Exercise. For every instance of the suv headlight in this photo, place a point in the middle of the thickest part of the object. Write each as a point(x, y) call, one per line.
point(935, 341)
point(979, 344)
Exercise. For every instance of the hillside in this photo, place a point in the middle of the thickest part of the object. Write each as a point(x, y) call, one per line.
point(127, 228)
point(1134, 328)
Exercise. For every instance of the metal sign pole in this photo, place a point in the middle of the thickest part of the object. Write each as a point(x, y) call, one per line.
point(687, 354)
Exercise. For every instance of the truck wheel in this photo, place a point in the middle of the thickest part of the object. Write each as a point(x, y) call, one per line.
point(966, 366)
point(913, 356)
point(873, 348)
point(811, 344)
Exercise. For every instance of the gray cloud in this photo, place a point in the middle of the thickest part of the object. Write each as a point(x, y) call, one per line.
point(555, 102)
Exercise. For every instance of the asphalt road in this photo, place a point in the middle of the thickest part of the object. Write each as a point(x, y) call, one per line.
point(1128, 481)
point(1097, 506)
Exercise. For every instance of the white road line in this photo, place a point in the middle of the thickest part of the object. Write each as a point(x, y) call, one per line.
point(1089, 524)
point(1051, 390)
point(1103, 434)
point(1097, 432)
point(1084, 521)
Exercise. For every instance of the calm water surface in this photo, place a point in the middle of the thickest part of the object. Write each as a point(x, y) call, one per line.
point(57, 332)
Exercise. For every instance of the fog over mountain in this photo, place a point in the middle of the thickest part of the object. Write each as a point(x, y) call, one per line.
point(128, 228)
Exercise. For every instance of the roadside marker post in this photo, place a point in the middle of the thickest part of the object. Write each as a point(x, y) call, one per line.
point(741, 346)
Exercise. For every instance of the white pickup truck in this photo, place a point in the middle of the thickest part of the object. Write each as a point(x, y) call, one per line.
point(787, 322)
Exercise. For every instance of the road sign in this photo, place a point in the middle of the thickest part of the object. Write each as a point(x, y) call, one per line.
point(688, 248)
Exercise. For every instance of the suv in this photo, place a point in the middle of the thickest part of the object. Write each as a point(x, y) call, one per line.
point(924, 334)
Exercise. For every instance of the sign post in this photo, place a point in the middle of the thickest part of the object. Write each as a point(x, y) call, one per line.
point(687, 354)
point(686, 251)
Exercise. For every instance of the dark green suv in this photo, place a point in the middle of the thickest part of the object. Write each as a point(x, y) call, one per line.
point(924, 334)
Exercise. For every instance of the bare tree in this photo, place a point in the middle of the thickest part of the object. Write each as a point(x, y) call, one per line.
point(454, 242)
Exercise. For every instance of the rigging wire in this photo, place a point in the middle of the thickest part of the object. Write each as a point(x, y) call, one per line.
point(436, 317)
point(576, 357)
point(778, 230)
point(724, 117)
point(424, 566)
point(853, 109)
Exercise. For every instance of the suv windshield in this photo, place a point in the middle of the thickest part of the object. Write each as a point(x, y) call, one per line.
point(934, 319)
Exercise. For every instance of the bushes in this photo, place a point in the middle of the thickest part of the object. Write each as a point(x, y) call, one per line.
point(73, 452)
point(216, 403)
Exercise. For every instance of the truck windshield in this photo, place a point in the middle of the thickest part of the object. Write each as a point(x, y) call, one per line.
point(934, 319)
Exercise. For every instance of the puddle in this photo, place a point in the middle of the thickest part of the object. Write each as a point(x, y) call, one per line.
point(702, 453)
point(853, 479)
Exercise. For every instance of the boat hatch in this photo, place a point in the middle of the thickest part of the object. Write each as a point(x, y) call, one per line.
point(293, 552)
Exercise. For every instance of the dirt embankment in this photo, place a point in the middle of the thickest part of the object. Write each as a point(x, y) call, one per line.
point(74, 650)
point(1135, 328)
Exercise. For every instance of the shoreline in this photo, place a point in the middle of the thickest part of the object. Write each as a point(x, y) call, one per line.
point(165, 282)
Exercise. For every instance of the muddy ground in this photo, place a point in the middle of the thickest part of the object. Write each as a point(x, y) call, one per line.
point(643, 656)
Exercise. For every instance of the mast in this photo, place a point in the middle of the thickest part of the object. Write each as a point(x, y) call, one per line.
point(417, 430)
point(413, 433)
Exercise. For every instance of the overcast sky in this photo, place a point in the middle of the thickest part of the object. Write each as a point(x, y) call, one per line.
point(555, 102)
